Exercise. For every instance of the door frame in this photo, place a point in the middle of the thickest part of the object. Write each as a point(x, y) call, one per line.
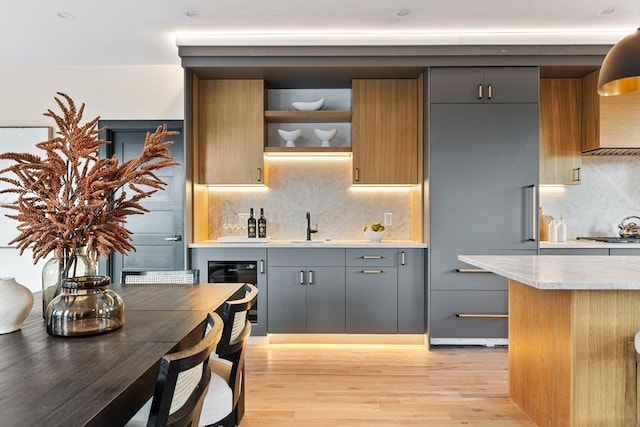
point(105, 266)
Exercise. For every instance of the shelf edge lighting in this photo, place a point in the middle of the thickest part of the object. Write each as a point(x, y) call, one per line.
point(620, 72)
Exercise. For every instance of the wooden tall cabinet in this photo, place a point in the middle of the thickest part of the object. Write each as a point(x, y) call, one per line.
point(384, 130)
point(230, 131)
point(560, 131)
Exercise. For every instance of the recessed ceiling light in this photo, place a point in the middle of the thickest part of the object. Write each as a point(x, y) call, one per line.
point(192, 13)
point(402, 13)
point(607, 11)
point(65, 15)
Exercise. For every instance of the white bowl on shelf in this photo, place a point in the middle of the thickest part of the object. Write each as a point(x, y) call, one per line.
point(308, 106)
point(325, 136)
point(290, 136)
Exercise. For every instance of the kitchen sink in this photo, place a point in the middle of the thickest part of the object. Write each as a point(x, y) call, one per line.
point(303, 242)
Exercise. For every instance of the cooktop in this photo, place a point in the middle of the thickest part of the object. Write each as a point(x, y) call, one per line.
point(611, 239)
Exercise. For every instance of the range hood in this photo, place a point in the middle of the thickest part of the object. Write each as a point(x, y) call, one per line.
point(610, 151)
point(610, 124)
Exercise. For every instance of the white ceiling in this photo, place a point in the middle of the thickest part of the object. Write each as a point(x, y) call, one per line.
point(129, 32)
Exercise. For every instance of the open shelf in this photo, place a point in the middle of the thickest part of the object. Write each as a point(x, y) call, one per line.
point(317, 116)
point(307, 150)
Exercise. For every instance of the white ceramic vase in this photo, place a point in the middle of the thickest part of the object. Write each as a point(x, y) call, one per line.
point(16, 302)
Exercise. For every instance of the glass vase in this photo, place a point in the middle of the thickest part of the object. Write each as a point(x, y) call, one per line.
point(85, 307)
point(54, 272)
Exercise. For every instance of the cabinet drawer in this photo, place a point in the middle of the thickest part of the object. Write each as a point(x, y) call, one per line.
point(452, 314)
point(447, 273)
point(575, 251)
point(622, 251)
point(320, 257)
point(375, 257)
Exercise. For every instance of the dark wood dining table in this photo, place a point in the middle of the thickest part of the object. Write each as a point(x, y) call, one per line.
point(100, 380)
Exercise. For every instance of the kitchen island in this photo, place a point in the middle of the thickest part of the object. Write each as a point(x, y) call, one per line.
point(570, 319)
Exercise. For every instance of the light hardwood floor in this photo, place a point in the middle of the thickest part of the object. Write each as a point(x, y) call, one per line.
point(373, 385)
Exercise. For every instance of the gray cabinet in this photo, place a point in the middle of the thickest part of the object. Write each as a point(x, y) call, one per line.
point(483, 175)
point(484, 85)
point(306, 290)
point(200, 258)
point(411, 291)
point(372, 291)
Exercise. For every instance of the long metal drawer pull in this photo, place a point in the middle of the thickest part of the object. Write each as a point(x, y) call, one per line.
point(480, 91)
point(177, 238)
point(310, 276)
point(481, 316)
point(402, 256)
point(372, 271)
point(371, 256)
point(490, 87)
point(534, 213)
point(302, 277)
point(472, 270)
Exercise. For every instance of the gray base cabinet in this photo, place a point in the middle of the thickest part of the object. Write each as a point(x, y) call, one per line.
point(411, 291)
point(307, 291)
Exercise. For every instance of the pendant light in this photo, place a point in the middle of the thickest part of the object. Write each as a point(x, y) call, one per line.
point(620, 72)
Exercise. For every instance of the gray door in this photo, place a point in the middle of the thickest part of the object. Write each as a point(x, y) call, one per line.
point(158, 234)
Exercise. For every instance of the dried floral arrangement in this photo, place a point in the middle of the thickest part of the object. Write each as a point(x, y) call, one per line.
point(71, 198)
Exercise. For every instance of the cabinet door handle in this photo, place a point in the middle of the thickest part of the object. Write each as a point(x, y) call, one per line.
point(489, 91)
point(371, 256)
point(576, 174)
point(402, 258)
point(302, 277)
point(259, 174)
point(261, 266)
point(310, 277)
point(471, 270)
point(481, 316)
point(534, 212)
point(357, 171)
point(372, 271)
point(480, 91)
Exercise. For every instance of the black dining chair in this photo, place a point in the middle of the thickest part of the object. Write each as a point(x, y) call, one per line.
point(182, 384)
point(181, 277)
point(229, 363)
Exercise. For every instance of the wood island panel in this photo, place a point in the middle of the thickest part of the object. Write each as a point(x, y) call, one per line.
point(567, 353)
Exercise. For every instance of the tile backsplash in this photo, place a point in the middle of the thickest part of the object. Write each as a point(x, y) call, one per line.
point(609, 191)
point(321, 186)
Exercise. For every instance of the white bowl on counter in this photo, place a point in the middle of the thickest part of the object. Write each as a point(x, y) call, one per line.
point(374, 236)
point(308, 106)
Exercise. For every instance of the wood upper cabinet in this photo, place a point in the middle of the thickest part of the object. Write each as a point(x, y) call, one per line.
point(229, 131)
point(560, 130)
point(609, 122)
point(385, 137)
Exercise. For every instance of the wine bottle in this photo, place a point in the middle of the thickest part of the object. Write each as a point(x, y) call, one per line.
point(262, 225)
point(251, 224)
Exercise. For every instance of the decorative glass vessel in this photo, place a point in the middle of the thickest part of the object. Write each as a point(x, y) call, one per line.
point(85, 307)
point(54, 273)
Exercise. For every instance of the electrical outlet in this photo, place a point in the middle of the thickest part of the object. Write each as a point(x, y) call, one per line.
point(388, 218)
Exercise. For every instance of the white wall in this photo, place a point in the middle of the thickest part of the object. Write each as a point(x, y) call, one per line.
point(111, 92)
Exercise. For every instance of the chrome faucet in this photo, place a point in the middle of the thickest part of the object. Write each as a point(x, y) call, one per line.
point(309, 229)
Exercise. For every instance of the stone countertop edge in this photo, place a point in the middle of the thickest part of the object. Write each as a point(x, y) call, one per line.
point(587, 244)
point(319, 244)
point(563, 272)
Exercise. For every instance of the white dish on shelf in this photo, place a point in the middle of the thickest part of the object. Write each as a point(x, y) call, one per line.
point(290, 136)
point(325, 136)
point(308, 106)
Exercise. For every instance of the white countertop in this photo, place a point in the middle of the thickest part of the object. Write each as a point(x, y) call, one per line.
point(563, 271)
point(311, 244)
point(587, 244)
